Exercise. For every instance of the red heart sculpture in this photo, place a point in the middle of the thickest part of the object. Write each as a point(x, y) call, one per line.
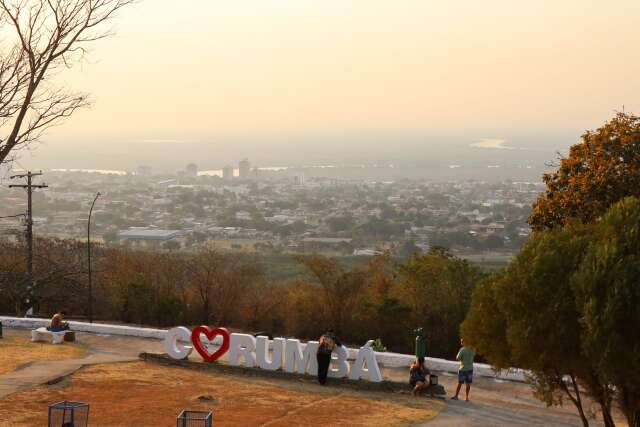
point(210, 334)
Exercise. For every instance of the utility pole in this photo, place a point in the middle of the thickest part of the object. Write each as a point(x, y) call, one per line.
point(89, 258)
point(29, 223)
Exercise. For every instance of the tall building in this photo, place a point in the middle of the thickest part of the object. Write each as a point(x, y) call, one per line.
point(244, 169)
point(192, 170)
point(227, 173)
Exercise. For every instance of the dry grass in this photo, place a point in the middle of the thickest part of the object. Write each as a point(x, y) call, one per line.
point(18, 351)
point(145, 394)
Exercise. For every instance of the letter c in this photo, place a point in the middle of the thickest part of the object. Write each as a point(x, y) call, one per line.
point(171, 345)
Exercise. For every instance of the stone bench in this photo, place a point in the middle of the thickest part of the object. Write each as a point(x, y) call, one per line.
point(42, 334)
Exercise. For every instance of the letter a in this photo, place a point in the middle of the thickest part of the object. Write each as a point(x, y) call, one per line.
point(366, 357)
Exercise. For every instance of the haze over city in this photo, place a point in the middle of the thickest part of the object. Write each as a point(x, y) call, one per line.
point(411, 83)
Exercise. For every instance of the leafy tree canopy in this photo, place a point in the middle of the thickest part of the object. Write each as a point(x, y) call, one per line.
point(601, 170)
point(566, 308)
point(607, 287)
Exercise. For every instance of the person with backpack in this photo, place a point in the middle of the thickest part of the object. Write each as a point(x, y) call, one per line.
point(327, 342)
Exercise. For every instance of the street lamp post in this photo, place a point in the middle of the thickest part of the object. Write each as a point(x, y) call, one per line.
point(89, 258)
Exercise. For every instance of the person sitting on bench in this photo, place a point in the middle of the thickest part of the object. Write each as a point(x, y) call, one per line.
point(57, 323)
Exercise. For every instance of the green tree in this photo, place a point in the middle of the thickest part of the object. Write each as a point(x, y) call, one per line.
point(543, 330)
point(340, 223)
point(485, 324)
point(341, 290)
point(168, 310)
point(380, 310)
point(436, 288)
point(602, 169)
point(493, 242)
point(608, 295)
point(135, 299)
point(534, 302)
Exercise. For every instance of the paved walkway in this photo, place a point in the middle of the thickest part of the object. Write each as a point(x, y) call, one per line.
point(101, 350)
point(496, 404)
point(501, 405)
point(493, 403)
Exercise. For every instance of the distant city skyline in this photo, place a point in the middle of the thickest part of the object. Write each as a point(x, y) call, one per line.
point(402, 150)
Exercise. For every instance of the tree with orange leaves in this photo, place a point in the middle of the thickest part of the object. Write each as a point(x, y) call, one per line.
point(601, 170)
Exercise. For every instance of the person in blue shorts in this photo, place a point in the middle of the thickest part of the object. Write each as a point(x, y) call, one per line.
point(465, 373)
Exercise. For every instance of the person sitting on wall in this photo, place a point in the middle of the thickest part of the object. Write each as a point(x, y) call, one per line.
point(57, 322)
point(328, 342)
point(419, 376)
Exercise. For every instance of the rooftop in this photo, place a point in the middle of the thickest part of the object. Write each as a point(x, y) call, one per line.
point(333, 240)
point(154, 234)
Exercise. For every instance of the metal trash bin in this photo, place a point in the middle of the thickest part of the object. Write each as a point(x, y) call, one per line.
point(195, 419)
point(69, 414)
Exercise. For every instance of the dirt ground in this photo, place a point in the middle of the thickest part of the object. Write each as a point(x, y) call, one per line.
point(148, 394)
point(145, 394)
point(16, 351)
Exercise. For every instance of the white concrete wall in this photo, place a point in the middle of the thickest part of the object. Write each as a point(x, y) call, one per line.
point(96, 328)
point(386, 359)
point(389, 359)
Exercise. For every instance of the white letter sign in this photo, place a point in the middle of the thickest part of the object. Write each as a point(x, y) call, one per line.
point(339, 365)
point(287, 354)
point(242, 345)
point(296, 360)
point(171, 346)
point(262, 353)
point(366, 357)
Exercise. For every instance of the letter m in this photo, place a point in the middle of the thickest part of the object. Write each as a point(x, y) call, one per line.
point(297, 360)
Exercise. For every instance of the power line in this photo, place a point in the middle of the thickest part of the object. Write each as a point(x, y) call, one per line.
point(12, 216)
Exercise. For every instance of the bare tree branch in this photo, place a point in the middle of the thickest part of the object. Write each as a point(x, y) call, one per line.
point(47, 35)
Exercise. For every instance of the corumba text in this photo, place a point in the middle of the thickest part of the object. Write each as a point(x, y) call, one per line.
point(288, 355)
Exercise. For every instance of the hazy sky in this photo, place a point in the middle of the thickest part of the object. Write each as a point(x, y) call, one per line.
point(179, 69)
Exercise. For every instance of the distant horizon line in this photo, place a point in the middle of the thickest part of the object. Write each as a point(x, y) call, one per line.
point(219, 171)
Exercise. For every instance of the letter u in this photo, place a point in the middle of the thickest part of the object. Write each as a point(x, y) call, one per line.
point(262, 353)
